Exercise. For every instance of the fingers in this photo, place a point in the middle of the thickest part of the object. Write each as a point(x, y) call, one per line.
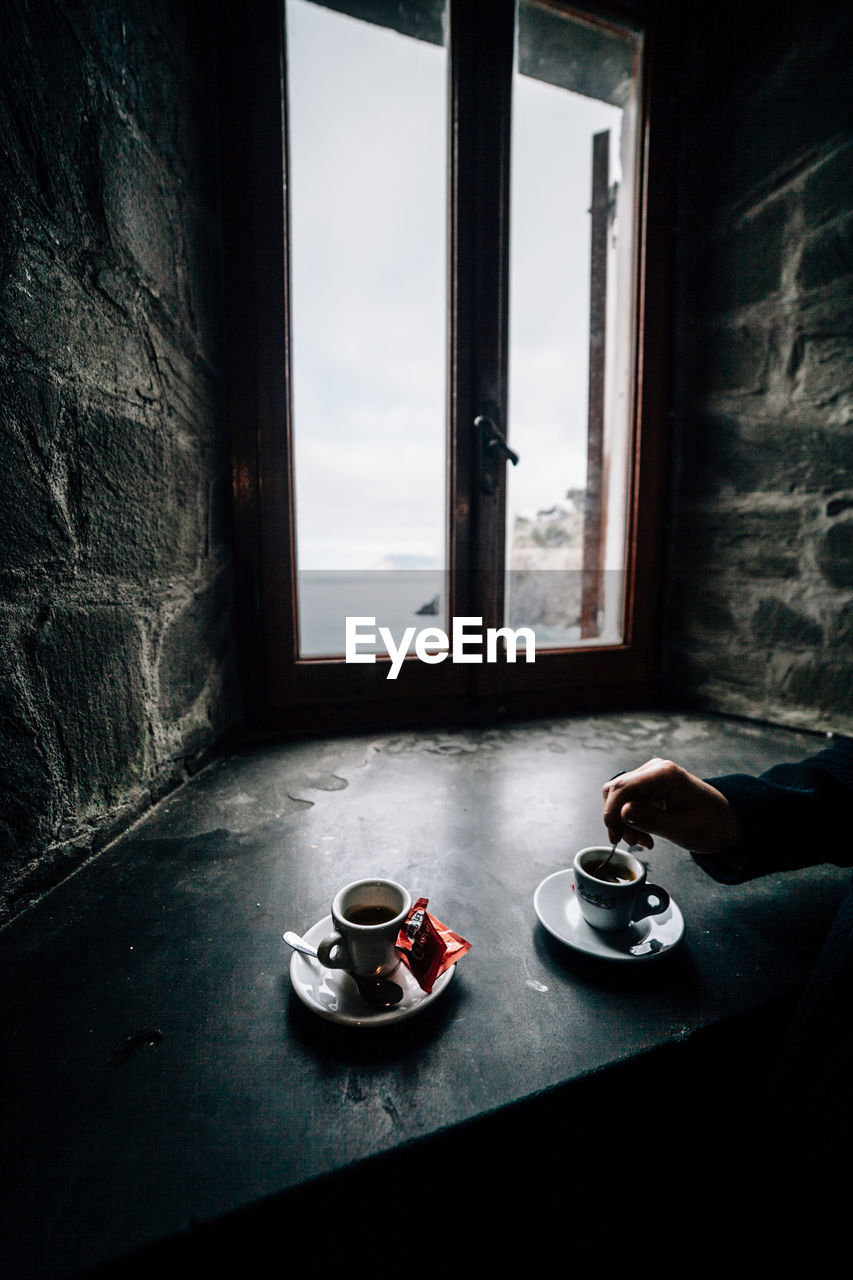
point(619, 824)
point(635, 835)
point(651, 784)
point(660, 798)
point(649, 818)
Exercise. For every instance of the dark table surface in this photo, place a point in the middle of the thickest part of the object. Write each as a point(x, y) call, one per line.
point(158, 1070)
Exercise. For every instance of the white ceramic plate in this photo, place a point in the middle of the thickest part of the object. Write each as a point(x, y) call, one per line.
point(333, 995)
point(556, 905)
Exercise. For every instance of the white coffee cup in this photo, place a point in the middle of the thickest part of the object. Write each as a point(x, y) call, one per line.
point(622, 898)
point(367, 916)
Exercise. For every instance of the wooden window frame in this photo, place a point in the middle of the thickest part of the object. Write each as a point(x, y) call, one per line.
point(280, 691)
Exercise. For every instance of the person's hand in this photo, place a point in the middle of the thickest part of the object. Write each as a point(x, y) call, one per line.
point(662, 799)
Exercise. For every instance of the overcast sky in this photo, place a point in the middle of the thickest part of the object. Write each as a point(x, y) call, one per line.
point(367, 135)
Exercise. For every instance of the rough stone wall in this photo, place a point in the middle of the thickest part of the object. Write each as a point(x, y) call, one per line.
point(760, 577)
point(115, 648)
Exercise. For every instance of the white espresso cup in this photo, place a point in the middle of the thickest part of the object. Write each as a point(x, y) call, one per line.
point(620, 894)
point(367, 916)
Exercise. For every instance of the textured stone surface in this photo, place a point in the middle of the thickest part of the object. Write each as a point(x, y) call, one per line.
point(194, 673)
point(835, 555)
point(114, 532)
point(759, 575)
point(777, 623)
point(90, 661)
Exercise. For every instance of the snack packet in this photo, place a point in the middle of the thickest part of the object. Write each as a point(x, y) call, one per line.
point(427, 946)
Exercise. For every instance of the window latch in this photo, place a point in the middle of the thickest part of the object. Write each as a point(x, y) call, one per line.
point(492, 450)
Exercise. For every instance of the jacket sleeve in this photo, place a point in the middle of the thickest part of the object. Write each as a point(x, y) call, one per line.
point(794, 815)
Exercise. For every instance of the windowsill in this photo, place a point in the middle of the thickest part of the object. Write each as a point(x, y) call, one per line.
point(162, 1073)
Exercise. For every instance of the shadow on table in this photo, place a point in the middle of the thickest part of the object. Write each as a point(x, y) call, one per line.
point(372, 1044)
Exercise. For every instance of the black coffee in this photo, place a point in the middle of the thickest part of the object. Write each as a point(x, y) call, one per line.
point(612, 873)
point(370, 914)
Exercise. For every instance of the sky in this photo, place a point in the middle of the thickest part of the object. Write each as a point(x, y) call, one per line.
point(368, 199)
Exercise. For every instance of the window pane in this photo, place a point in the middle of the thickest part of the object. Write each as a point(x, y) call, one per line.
point(571, 340)
point(367, 199)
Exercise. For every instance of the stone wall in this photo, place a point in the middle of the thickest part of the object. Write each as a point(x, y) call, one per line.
point(115, 648)
point(761, 537)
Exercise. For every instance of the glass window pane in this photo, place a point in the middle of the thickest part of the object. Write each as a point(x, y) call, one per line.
point(367, 203)
point(571, 340)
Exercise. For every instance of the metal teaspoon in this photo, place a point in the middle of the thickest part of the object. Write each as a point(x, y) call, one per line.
point(380, 991)
point(607, 859)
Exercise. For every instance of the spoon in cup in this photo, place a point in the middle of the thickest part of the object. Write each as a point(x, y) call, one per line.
point(607, 859)
point(377, 990)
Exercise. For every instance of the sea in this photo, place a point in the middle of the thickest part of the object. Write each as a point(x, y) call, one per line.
point(547, 600)
point(397, 599)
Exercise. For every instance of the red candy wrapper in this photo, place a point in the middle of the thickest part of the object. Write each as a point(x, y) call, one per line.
point(427, 946)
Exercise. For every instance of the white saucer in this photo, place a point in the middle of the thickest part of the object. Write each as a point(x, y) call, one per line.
point(333, 995)
point(556, 905)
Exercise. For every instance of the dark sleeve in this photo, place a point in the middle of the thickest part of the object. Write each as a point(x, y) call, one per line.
point(794, 815)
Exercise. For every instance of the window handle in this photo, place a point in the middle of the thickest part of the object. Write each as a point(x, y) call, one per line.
point(493, 449)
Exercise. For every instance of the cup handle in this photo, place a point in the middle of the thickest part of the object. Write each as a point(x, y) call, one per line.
point(334, 953)
point(645, 907)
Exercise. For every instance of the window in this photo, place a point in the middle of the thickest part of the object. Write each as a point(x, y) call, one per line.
point(439, 234)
